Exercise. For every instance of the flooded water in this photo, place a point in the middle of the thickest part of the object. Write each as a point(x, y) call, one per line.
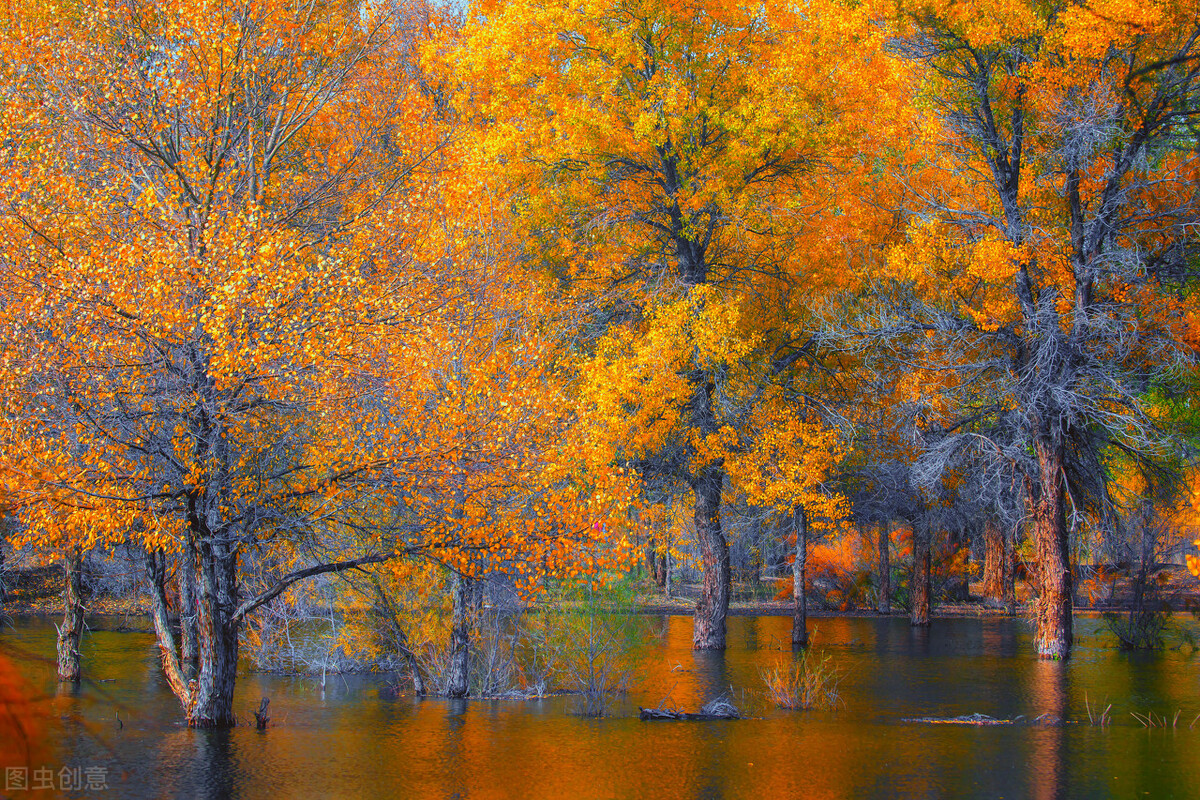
point(350, 740)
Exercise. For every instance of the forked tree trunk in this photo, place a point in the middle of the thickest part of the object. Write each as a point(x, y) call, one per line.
point(922, 590)
point(156, 573)
point(459, 674)
point(1048, 525)
point(885, 568)
point(997, 561)
point(708, 632)
point(207, 698)
point(799, 567)
point(71, 632)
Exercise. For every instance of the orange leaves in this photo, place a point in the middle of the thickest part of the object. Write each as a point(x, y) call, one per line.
point(785, 461)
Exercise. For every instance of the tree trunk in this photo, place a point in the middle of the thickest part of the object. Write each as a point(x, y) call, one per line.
point(459, 675)
point(657, 563)
point(214, 685)
point(1048, 523)
point(997, 561)
point(708, 632)
point(156, 573)
point(922, 590)
point(885, 568)
point(387, 609)
point(799, 596)
point(213, 697)
point(71, 632)
point(189, 655)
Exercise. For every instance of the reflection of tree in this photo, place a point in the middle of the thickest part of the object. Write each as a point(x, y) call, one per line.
point(202, 764)
point(455, 772)
point(998, 639)
point(1047, 762)
point(712, 674)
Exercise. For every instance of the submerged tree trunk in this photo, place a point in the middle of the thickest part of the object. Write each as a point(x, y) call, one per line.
point(1054, 634)
point(799, 596)
point(921, 590)
point(884, 602)
point(71, 632)
point(708, 632)
point(459, 674)
point(156, 573)
point(997, 561)
point(218, 630)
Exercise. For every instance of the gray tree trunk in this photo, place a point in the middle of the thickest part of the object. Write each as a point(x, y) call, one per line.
point(459, 675)
point(885, 568)
point(799, 567)
point(71, 632)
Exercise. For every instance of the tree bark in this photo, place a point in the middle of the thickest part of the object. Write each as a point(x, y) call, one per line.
point(180, 686)
point(799, 596)
point(71, 632)
point(1010, 579)
point(922, 590)
point(459, 675)
point(189, 655)
point(884, 603)
point(997, 561)
point(218, 630)
point(1054, 634)
point(708, 632)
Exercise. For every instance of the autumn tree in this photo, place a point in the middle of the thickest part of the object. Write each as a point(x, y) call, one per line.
point(193, 201)
point(674, 163)
point(1051, 254)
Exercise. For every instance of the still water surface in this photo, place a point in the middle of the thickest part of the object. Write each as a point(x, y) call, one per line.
point(352, 740)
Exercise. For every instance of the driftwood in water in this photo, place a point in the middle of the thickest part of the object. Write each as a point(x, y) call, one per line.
point(664, 713)
point(967, 719)
point(720, 708)
point(1044, 720)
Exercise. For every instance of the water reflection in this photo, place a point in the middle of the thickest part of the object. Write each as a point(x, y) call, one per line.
point(352, 742)
point(711, 676)
point(1047, 761)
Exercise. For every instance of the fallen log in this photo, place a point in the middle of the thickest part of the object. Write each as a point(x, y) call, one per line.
point(670, 713)
point(966, 719)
